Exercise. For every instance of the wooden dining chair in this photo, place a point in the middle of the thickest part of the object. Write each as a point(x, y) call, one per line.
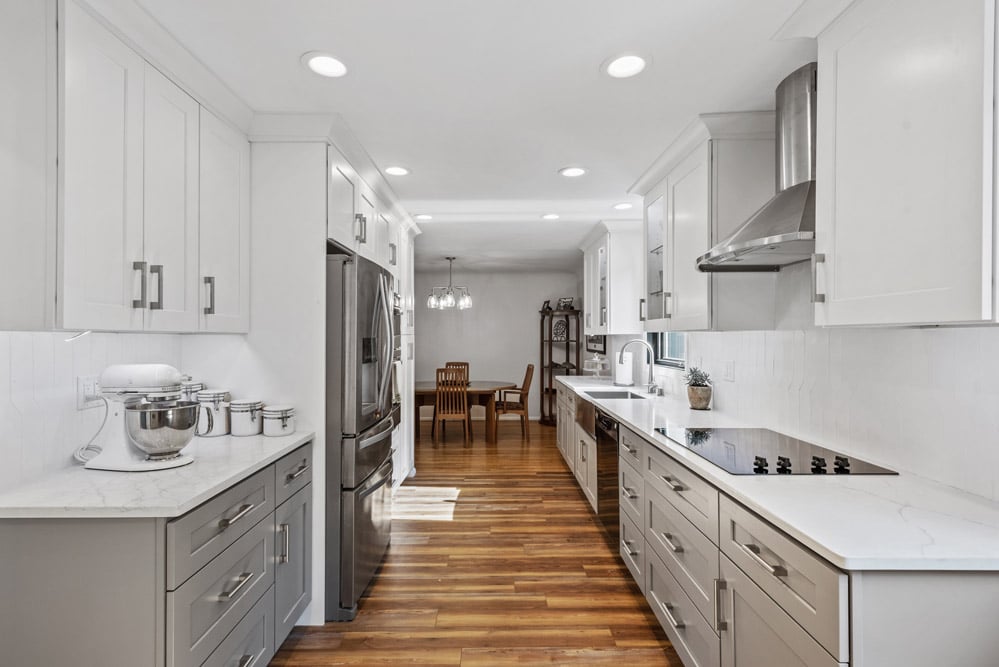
point(506, 405)
point(451, 403)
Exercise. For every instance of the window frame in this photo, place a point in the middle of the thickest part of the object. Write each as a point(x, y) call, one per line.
point(659, 341)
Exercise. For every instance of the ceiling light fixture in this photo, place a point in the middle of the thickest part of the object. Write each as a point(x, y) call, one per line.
point(324, 64)
point(396, 171)
point(625, 66)
point(424, 216)
point(550, 216)
point(623, 206)
point(572, 172)
point(444, 298)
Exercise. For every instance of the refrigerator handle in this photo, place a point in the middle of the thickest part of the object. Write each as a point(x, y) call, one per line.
point(383, 387)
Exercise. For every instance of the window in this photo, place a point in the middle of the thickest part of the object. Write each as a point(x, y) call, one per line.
point(670, 348)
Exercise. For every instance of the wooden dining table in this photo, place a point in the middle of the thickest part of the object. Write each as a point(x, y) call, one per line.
point(480, 392)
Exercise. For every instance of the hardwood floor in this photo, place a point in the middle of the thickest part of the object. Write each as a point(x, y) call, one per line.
point(496, 559)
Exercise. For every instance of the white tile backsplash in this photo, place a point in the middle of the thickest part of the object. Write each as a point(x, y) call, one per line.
point(920, 400)
point(40, 427)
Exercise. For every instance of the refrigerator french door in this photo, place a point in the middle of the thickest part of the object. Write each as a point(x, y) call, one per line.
point(361, 413)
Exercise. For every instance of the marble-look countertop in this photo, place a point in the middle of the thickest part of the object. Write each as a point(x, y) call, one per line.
point(79, 493)
point(863, 522)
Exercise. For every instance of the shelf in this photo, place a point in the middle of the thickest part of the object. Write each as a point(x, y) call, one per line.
point(567, 366)
point(559, 342)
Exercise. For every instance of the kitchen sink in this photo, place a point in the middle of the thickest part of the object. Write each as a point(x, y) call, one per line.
point(613, 394)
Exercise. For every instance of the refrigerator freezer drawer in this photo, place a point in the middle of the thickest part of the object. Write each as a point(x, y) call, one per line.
point(367, 529)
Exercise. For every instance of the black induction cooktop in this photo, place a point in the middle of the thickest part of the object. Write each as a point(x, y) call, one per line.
point(759, 451)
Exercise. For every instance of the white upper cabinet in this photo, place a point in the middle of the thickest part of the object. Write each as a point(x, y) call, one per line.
point(342, 222)
point(612, 279)
point(103, 279)
point(225, 227)
point(170, 205)
point(904, 164)
point(706, 184)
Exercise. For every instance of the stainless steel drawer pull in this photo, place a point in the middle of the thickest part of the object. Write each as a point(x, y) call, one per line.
point(157, 270)
point(627, 547)
point(141, 301)
point(817, 258)
point(629, 448)
point(629, 492)
point(244, 579)
point(668, 610)
point(674, 486)
point(720, 625)
point(673, 546)
point(298, 473)
point(286, 543)
point(243, 511)
point(641, 310)
point(210, 308)
point(582, 451)
point(247, 661)
point(754, 553)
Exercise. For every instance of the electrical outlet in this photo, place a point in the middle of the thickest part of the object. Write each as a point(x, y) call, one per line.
point(729, 375)
point(87, 392)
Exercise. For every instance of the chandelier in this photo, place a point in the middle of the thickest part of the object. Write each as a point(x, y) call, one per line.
point(443, 298)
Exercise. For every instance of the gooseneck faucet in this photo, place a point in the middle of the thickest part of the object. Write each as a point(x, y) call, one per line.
point(652, 358)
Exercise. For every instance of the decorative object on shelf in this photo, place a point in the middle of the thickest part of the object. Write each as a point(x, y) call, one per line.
point(564, 303)
point(546, 306)
point(698, 388)
point(560, 354)
point(596, 344)
point(443, 298)
point(560, 331)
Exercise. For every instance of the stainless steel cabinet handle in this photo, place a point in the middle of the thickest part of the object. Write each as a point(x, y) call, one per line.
point(720, 625)
point(359, 219)
point(364, 229)
point(157, 270)
point(393, 260)
point(243, 511)
point(673, 546)
point(629, 492)
point(210, 308)
point(141, 301)
point(627, 547)
point(286, 543)
point(582, 451)
point(666, 313)
point(641, 310)
point(244, 579)
point(298, 473)
point(603, 316)
point(817, 258)
point(671, 484)
point(629, 448)
point(754, 553)
point(247, 661)
point(668, 610)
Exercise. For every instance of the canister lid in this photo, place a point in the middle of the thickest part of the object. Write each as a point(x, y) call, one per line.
point(191, 385)
point(157, 396)
point(279, 411)
point(213, 395)
point(245, 405)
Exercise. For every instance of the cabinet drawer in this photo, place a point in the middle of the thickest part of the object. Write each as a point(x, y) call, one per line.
point(292, 472)
point(632, 488)
point(696, 499)
point(632, 548)
point(812, 592)
point(203, 533)
point(202, 612)
point(692, 636)
point(692, 558)
point(251, 642)
point(631, 447)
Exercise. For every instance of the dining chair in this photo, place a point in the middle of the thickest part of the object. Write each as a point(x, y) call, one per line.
point(451, 403)
point(506, 406)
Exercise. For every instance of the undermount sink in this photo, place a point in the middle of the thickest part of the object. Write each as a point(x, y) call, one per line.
point(613, 394)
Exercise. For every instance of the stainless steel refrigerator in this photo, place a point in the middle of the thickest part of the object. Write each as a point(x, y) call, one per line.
point(362, 318)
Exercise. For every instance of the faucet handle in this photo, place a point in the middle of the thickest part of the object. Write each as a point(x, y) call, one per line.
point(653, 388)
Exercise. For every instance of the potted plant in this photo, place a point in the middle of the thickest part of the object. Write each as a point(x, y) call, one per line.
point(698, 388)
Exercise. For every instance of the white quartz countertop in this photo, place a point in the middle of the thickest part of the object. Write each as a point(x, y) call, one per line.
point(79, 493)
point(862, 522)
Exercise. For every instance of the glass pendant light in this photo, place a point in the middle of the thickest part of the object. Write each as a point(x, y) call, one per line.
point(444, 298)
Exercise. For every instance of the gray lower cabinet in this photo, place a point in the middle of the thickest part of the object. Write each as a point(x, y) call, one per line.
point(292, 561)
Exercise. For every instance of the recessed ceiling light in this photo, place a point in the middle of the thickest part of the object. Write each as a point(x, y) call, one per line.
point(623, 67)
point(324, 64)
point(396, 171)
point(623, 206)
point(424, 216)
point(572, 172)
point(550, 216)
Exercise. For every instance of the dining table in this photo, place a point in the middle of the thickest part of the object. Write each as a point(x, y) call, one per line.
point(480, 392)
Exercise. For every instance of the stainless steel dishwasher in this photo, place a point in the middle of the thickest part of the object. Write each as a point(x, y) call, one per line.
point(607, 479)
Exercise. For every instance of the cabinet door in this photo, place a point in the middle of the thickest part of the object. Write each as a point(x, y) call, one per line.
point(341, 223)
point(602, 285)
point(170, 204)
point(756, 632)
point(688, 234)
point(589, 280)
point(101, 227)
point(293, 561)
point(384, 242)
point(225, 227)
point(904, 211)
point(654, 311)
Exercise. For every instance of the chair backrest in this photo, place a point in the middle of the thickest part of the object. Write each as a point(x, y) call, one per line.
point(452, 392)
point(526, 387)
point(463, 365)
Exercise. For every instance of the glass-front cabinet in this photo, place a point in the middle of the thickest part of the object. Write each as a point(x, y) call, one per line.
point(653, 309)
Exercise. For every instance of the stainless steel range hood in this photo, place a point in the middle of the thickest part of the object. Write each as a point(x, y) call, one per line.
point(782, 232)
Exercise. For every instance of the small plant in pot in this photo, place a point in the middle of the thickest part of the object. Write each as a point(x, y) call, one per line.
point(698, 388)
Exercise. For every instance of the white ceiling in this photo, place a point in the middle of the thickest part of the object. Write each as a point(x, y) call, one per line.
point(483, 100)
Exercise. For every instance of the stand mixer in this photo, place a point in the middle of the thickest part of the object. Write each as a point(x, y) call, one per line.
point(146, 425)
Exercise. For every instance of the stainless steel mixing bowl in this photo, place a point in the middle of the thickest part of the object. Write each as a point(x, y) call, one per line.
point(161, 431)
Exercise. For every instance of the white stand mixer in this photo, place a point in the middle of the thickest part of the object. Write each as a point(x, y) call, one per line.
point(127, 387)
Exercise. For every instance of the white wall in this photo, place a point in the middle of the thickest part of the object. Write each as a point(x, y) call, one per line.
point(498, 336)
point(40, 427)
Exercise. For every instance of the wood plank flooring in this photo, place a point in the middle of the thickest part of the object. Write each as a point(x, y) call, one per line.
point(496, 559)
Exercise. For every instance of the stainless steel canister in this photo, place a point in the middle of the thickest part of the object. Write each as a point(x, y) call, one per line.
point(213, 415)
point(246, 417)
point(279, 420)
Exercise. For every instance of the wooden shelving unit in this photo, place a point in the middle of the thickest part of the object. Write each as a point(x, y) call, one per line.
point(558, 357)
